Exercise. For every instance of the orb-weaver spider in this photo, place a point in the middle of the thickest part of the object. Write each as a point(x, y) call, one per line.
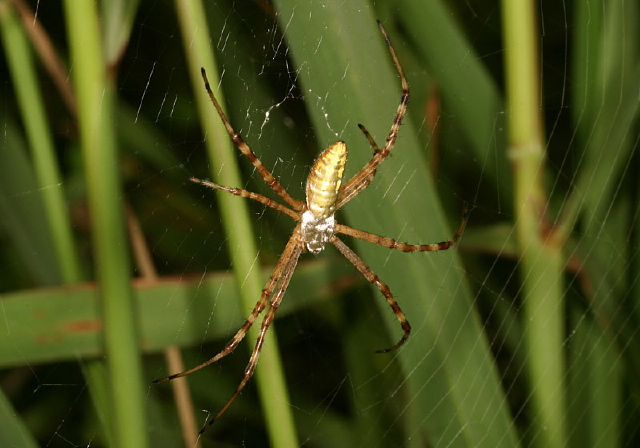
point(316, 226)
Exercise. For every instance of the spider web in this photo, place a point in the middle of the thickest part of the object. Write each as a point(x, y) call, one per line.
point(296, 78)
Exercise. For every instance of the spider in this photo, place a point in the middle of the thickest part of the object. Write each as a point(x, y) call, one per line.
point(316, 226)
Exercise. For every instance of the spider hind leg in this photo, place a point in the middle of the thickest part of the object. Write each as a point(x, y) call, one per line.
point(280, 280)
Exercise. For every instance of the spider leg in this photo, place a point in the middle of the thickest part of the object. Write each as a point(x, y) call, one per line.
point(404, 99)
point(373, 278)
point(363, 177)
point(368, 136)
point(351, 189)
point(244, 149)
point(279, 271)
point(290, 257)
point(404, 247)
point(251, 195)
point(237, 338)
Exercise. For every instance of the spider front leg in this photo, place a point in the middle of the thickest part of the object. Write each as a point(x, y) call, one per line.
point(250, 195)
point(373, 278)
point(368, 136)
point(248, 152)
point(364, 177)
point(357, 183)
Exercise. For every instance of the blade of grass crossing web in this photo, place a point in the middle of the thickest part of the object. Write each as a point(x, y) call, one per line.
point(347, 77)
point(223, 157)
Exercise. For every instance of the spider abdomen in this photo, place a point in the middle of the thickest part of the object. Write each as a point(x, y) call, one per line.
point(324, 180)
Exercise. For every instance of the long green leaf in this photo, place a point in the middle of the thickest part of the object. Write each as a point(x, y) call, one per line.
point(447, 363)
point(95, 98)
point(52, 325)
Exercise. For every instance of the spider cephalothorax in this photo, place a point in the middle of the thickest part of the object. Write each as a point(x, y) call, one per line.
point(316, 226)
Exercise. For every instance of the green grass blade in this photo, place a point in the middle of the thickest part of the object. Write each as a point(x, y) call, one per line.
point(66, 322)
point(447, 364)
point(118, 21)
point(23, 212)
point(95, 111)
point(469, 92)
point(66, 269)
point(13, 432)
point(241, 241)
point(40, 139)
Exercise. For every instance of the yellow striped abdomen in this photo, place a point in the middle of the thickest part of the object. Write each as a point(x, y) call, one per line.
point(324, 180)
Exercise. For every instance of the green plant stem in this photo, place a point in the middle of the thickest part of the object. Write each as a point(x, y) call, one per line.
point(541, 261)
point(237, 225)
point(23, 74)
point(96, 125)
point(49, 179)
